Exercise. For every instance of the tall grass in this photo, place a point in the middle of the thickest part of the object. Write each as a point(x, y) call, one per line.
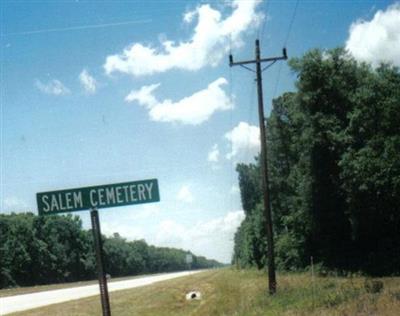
point(230, 292)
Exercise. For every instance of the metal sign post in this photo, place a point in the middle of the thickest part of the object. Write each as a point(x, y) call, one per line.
point(94, 197)
point(105, 302)
point(189, 260)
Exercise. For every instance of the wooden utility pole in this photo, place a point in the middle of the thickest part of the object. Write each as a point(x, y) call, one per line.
point(264, 163)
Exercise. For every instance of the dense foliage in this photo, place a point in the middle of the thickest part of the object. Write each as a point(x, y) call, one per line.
point(51, 249)
point(334, 168)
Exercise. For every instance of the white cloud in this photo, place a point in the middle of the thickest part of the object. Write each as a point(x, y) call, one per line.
point(377, 40)
point(235, 189)
point(88, 82)
point(213, 155)
point(193, 110)
point(54, 87)
point(226, 224)
point(170, 233)
point(132, 222)
point(144, 96)
point(212, 238)
point(145, 211)
point(189, 16)
point(212, 37)
point(130, 232)
point(13, 203)
point(185, 195)
point(245, 142)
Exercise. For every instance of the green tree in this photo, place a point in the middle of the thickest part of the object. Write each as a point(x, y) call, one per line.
point(334, 170)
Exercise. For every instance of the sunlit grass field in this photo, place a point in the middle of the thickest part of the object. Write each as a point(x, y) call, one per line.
point(231, 292)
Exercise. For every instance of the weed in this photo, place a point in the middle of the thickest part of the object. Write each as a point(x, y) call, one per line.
point(373, 286)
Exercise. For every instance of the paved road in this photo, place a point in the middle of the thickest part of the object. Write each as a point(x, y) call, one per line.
point(23, 302)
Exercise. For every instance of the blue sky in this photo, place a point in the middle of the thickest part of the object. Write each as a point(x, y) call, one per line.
point(103, 92)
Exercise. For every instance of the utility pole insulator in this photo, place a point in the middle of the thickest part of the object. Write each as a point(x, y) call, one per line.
point(284, 53)
point(263, 161)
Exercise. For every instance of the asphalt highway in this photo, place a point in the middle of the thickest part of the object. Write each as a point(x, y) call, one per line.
point(12, 304)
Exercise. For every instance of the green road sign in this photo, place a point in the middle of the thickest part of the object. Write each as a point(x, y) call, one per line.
point(109, 195)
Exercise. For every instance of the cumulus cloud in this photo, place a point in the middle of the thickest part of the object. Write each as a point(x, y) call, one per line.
point(144, 96)
point(212, 238)
point(193, 110)
point(185, 195)
point(377, 40)
point(227, 224)
point(130, 232)
point(213, 155)
point(245, 142)
point(212, 37)
point(202, 229)
point(170, 233)
point(54, 87)
point(144, 212)
point(87, 81)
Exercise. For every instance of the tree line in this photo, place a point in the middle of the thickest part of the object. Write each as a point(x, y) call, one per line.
point(334, 170)
point(52, 249)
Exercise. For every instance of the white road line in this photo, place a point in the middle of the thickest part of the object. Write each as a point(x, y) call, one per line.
point(12, 304)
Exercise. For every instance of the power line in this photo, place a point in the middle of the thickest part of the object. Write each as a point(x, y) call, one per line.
point(277, 81)
point(265, 19)
point(291, 23)
point(250, 117)
point(284, 45)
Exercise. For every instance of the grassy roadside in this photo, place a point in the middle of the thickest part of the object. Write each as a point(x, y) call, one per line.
point(233, 293)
